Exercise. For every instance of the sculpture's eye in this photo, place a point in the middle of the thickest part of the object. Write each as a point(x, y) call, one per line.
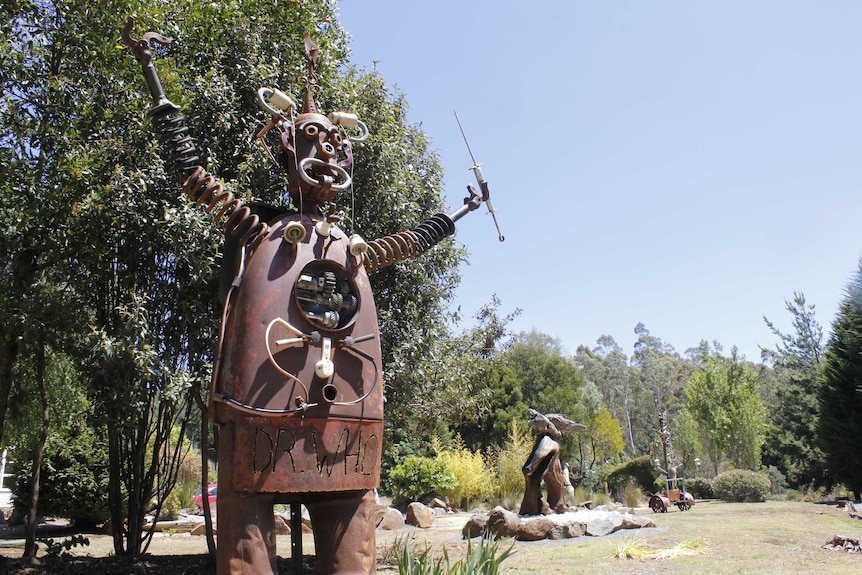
point(310, 131)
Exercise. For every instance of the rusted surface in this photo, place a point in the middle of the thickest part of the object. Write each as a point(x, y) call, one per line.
point(258, 372)
point(302, 455)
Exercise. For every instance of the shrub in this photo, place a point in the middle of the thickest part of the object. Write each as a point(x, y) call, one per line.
point(508, 461)
point(740, 485)
point(700, 488)
point(778, 483)
point(416, 477)
point(74, 481)
point(639, 470)
point(473, 482)
point(633, 496)
point(171, 507)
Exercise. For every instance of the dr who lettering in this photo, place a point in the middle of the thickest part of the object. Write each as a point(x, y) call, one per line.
point(337, 455)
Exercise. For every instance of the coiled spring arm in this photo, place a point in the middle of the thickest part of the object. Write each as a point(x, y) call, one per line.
point(408, 244)
point(181, 150)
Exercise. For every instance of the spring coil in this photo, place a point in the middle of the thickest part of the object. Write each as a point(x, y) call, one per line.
point(202, 187)
point(199, 185)
point(178, 145)
point(408, 244)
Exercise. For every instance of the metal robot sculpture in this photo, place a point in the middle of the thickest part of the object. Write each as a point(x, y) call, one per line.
point(297, 388)
point(544, 464)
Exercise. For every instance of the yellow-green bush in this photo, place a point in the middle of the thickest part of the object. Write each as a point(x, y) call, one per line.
point(473, 480)
point(507, 462)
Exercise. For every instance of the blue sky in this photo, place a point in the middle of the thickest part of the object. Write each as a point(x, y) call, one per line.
point(686, 165)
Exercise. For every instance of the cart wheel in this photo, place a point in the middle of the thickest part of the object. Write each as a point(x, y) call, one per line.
point(683, 506)
point(655, 503)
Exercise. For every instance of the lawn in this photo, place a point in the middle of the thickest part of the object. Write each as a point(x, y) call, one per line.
point(751, 538)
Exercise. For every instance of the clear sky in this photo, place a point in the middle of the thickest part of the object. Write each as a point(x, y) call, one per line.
point(688, 165)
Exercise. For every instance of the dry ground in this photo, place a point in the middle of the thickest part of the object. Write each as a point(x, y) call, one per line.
point(751, 538)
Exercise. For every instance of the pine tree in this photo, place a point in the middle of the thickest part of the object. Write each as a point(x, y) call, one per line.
point(840, 397)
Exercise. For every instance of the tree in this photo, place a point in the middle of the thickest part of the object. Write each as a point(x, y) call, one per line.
point(660, 378)
point(132, 259)
point(549, 381)
point(791, 443)
point(840, 396)
point(601, 442)
point(729, 414)
point(606, 365)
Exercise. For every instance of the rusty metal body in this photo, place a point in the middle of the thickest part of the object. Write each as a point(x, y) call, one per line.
point(289, 434)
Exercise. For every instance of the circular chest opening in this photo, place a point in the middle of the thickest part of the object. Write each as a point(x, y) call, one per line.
point(326, 295)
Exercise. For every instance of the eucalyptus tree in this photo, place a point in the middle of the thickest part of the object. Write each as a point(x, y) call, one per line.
point(607, 366)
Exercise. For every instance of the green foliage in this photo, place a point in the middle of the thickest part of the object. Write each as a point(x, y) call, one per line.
point(777, 481)
point(791, 443)
point(741, 486)
point(473, 480)
point(602, 441)
point(483, 559)
point(729, 414)
point(700, 487)
point(508, 461)
point(633, 496)
point(74, 470)
point(62, 548)
point(840, 396)
point(171, 507)
point(416, 477)
point(640, 470)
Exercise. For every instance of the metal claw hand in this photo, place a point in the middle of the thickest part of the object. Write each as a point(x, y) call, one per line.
point(143, 51)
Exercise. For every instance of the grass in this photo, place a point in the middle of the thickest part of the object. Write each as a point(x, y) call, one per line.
point(718, 538)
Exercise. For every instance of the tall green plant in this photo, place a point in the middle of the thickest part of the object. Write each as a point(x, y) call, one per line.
point(840, 395)
point(729, 413)
point(483, 559)
point(797, 360)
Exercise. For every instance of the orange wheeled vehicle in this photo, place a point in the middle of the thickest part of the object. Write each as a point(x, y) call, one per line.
point(675, 494)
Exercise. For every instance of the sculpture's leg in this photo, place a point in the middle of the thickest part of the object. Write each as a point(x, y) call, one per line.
point(544, 451)
point(555, 482)
point(344, 537)
point(246, 525)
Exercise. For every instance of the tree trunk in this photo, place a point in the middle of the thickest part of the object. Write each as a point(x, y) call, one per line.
point(629, 421)
point(115, 496)
point(8, 355)
point(30, 547)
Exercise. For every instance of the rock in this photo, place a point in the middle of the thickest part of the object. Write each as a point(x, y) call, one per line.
point(438, 503)
point(585, 504)
point(622, 509)
point(602, 524)
point(636, 521)
point(534, 529)
point(475, 525)
point(202, 530)
point(502, 522)
point(844, 543)
point(568, 530)
point(420, 515)
point(379, 513)
point(392, 520)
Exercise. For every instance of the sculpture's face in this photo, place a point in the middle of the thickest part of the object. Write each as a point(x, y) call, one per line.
point(311, 147)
